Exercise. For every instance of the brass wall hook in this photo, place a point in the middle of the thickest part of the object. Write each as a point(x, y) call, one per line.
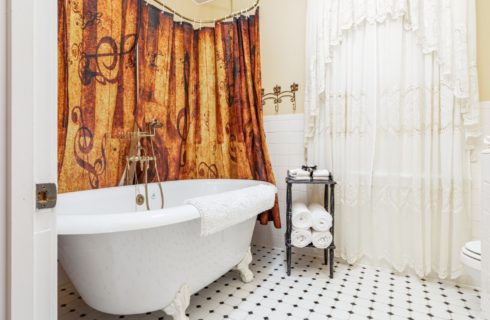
point(277, 95)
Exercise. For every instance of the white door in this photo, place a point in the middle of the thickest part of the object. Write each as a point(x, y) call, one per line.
point(32, 102)
point(3, 160)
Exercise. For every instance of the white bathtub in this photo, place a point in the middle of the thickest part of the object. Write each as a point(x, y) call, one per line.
point(124, 260)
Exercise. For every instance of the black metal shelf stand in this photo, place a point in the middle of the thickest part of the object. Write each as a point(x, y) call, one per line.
point(329, 204)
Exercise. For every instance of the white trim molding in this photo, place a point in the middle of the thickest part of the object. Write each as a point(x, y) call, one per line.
point(485, 104)
point(20, 190)
point(3, 159)
point(31, 157)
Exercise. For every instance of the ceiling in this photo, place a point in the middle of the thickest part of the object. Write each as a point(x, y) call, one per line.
point(202, 1)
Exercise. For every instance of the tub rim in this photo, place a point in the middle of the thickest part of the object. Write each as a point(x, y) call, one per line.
point(87, 224)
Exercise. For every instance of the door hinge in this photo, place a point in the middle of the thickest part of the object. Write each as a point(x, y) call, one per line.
point(46, 195)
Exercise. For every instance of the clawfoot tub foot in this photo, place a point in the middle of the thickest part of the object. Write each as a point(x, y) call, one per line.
point(177, 308)
point(245, 273)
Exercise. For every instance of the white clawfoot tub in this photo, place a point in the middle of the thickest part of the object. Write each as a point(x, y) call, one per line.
point(125, 260)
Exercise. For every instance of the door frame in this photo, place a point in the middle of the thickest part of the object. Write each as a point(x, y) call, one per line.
point(31, 156)
point(3, 159)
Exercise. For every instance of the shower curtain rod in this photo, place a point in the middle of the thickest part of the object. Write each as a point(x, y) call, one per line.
point(160, 5)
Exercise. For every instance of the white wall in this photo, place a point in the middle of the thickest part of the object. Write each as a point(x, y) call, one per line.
point(282, 49)
point(476, 172)
point(282, 35)
point(284, 135)
point(3, 156)
point(485, 230)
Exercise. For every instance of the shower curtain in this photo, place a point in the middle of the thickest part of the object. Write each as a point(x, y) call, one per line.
point(392, 110)
point(203, 84)
point(96, 90)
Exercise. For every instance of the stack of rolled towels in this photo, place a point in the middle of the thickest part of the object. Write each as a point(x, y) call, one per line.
point(311, 224)
point(304, 175)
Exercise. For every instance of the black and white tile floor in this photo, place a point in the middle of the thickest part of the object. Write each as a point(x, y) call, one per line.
point(356, 292)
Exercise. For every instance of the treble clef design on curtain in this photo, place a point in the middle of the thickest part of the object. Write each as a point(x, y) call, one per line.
point(206, 170)
point(83, 145)
point(102, 64)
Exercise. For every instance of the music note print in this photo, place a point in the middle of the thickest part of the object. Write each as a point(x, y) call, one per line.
point(103, 64)
point(83, 145)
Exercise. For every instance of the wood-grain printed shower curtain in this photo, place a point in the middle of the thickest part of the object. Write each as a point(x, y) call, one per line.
point(204, 85)
point(96, 90)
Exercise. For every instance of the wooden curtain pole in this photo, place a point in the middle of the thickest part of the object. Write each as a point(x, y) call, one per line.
point(159, 4)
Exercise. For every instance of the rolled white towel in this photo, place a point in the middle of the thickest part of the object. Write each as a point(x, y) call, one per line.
point(301, 216)
point(321, 220)
point(300, 237)
point(298, 174)
point(321, 240)
point(487, 140)
point(321, 174)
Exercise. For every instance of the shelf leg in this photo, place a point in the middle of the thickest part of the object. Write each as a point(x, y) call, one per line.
point(325, 255)
point(331, 263)
point(289, 227)
point(332, 229)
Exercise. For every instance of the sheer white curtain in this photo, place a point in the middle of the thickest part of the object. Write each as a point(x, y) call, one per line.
point(392, 110)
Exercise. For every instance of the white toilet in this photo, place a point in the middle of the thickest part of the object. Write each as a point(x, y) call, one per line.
point(471, 258)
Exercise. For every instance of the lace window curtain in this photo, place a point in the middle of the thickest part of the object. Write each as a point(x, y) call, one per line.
point(392, 109)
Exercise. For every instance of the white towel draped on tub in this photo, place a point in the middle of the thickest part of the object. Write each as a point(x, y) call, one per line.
point(300, 237)
point(321, 240)
point(301, 216)
point(223, 210)
point(321, 220)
